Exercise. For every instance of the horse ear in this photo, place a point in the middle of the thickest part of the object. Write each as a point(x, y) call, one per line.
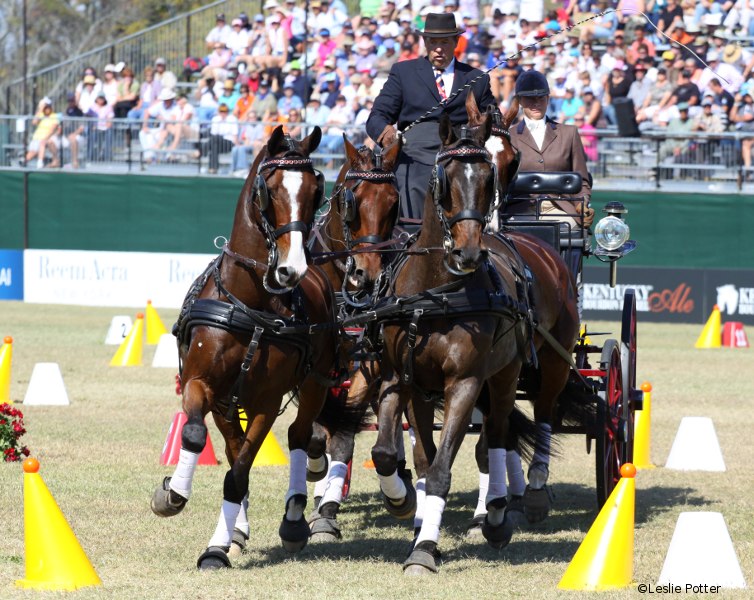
point(447, 135)
point(390, 156)
point(472, 109)
point(487, 126)
point(276, 141)
point(352, 154)
point(311, 142)
point(511, 114)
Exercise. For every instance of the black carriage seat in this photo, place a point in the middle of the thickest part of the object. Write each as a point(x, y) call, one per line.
point(523, 212)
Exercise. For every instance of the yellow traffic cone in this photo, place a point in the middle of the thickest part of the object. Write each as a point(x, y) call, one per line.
point(6, 355)
point(54, 557)
point(129, 352)
point(270, 453)
point(155, 328)
point(642, 430)
point(605, 559)
point(711, 336)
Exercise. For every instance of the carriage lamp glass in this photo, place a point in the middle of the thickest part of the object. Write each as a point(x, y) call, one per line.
point(611, 232)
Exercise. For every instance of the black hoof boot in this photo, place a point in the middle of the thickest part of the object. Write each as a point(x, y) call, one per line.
point(424, 560)
point(213, 557)
point(324, 524)
point(537, 504)
point(294, 534)
point(498, 536)
point(165, 502)
point(474, 526)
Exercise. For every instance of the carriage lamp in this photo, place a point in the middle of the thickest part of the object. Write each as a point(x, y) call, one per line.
point(612, 231)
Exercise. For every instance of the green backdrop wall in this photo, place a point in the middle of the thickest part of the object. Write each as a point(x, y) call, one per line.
point(176, 214)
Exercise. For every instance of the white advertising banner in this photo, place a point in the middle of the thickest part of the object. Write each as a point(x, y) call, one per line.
point(94, 278)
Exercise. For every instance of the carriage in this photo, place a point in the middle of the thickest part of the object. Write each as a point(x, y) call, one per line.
point(605, 372)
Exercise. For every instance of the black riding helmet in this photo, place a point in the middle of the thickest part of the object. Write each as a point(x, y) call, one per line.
point(532, 83)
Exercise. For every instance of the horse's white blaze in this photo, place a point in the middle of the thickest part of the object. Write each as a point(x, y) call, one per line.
point(296, 258)
point(494, 145)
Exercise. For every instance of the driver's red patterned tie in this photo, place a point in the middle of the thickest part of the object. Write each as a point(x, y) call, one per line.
point(440, 84)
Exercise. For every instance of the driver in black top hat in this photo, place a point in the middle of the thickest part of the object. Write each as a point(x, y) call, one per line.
point(414, 87)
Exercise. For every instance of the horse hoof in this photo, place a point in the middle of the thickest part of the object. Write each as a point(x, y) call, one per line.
point(324, 529)
point(537, 504)
point(423, 560)
point(498, 536)
point(474, 526)
point(314, 476)
point(294, 534)
point(407, 508)
point(238, 543)
point(213, 557)
point(515, 512)
point(165, 502)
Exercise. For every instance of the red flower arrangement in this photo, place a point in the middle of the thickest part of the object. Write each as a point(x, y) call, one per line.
point(11, 430)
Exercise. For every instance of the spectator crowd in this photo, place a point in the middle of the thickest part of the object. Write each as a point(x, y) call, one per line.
point(688, 70)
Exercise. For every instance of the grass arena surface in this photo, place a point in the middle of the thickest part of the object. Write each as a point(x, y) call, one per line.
point(100, 459)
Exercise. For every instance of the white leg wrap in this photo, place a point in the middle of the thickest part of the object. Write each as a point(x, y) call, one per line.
point(224, 533)
point(183, 475)
point(319, 487)
point(481, 502)
point(412, 436)
point(242, 520)
point(542, 451)
point(497, 487)
point(421, 496)
point(516, 481)
point(316, 465)
point(297, 475)
point(335, 479)
point(430, 531)
point(392, 486)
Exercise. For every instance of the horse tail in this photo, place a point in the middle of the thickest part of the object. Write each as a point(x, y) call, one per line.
point(522, 435)
point(576, 405)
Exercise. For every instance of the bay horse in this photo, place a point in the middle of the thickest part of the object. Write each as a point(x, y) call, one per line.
point(355, 240)
point(257, 324)
point(545, 382)
point(458, 327)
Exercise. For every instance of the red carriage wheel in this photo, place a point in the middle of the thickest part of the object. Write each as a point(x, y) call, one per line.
point(611, 432)
point(628, 364)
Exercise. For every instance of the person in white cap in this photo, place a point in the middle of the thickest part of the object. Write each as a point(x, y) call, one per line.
point(110, 85)
point(238, 41)
point(167, 113)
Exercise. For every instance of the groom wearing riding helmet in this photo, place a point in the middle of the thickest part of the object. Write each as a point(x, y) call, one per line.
point(548, 146)
point(414, 87)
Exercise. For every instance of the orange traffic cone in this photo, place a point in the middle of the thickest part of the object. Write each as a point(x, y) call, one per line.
point(172, 448)
point(129, 352)
point(54, 557)
point(605, 559)
point(711, 336)
point(155, 328)
point(734, 335)
point(6, 356)
point(642, 430)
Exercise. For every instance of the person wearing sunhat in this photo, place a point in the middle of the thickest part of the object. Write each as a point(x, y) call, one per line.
point(546, 145)
point(46, 136)
point(413, 87)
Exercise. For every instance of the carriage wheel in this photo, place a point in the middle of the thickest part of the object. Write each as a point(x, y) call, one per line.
point(628, 364)
point(611, 432)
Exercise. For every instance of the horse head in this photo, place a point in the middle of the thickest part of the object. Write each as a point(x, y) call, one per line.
point(504, 155)
point(367, 206)
point(463, 187)
point(287, 191)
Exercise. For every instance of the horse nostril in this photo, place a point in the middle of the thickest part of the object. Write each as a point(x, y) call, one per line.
point(483, 254)
point(284, 273)
point(359, 274)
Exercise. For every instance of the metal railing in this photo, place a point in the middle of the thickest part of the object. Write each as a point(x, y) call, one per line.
point(656, 160)
point(174, 39)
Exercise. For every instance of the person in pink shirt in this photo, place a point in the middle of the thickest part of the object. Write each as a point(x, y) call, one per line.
point(325, 48)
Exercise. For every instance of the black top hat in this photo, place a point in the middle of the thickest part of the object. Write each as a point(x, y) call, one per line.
point(439, 25)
